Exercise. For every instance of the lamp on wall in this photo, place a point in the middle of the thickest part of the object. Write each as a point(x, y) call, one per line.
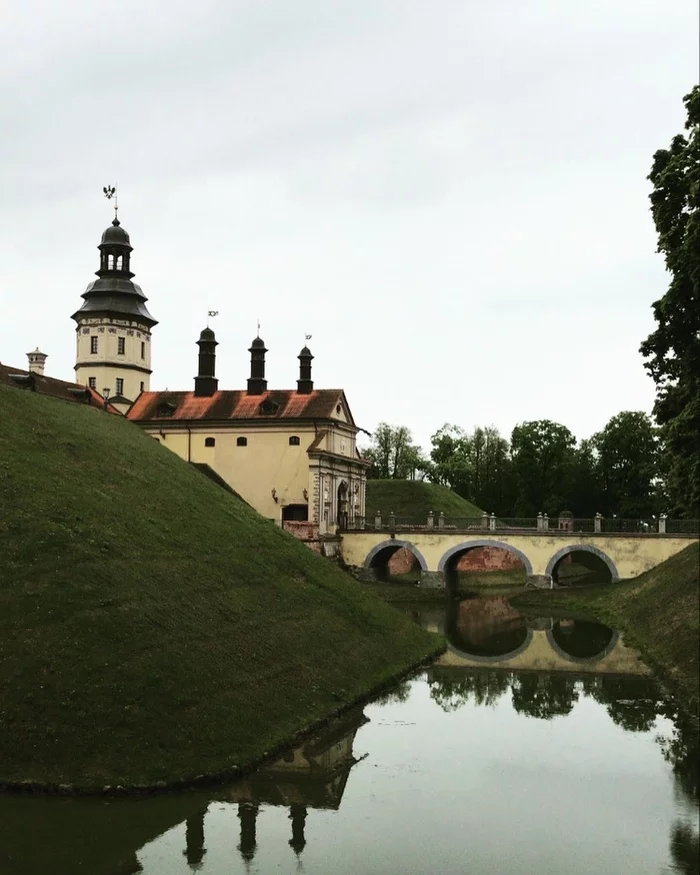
point(305, 493)
point(105, 395)
point(273, 493)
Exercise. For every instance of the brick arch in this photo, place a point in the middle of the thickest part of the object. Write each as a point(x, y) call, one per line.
point(582, 548)
point(395, 544)
point(484, 542)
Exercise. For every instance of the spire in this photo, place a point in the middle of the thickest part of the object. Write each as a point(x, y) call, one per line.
point(205, 383)
point(305, 385)
point(257, 384)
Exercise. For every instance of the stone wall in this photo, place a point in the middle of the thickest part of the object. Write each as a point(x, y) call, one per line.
point(488, 559)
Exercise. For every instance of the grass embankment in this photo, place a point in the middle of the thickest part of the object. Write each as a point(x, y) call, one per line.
point(152, 627)
point(414, 499)
point(657, 611)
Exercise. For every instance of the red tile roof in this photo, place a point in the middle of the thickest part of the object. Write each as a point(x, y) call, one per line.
point(43, 385)
point(239, 405)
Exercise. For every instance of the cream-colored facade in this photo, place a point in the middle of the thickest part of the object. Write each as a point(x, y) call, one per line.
point(318, 479)
point(291, 453)
point(113, 354)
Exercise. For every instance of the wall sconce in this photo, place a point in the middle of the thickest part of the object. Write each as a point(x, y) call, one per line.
point(273, 493)
point(305, 493)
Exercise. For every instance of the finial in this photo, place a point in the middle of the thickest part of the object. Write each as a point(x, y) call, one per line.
point(258, 328)
point(210, 315)
point(110, 191)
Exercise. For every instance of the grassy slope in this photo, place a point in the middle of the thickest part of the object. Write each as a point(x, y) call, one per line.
point(658, 611)
point(152, 627)
point(415, 498)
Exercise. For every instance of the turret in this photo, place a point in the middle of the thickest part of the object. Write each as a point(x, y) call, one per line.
point(205, 383)
point(305, 385)
point(257, 384)
point(37, 360)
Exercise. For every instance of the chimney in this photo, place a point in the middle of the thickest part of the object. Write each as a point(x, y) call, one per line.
point(37, 360)
point(205, 383)
point(305, 385)
point(257, 384)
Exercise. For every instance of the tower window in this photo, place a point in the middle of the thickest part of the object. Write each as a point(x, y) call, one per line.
point(110, 262)
point(209, 442)
point(294, 441)
point(121, 344)
point(143, 350)
point(93, 344)
point(119, 262)
point(120, 386)
point(92, 382)
point(241, 442)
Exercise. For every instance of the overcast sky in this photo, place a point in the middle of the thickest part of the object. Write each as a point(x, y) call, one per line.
point(450, 196)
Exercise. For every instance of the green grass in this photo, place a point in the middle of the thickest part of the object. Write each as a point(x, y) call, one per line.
point(153, 627)
point(414, 499)
point(657, 611)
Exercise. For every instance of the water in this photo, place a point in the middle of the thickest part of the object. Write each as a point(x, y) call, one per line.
point(535, 745)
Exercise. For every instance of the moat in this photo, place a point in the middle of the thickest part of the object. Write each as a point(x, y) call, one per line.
point(535, 744)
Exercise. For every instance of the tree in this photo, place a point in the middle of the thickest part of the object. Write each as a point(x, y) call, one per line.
point(393, 454)
point(585, 494)
point(475, 466)
point(673, 349)
point(543, 455)
point(628, 452)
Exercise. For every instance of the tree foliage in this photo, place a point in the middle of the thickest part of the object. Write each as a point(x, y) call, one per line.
point(542, 453)
point(673, 349)
point(393, 455)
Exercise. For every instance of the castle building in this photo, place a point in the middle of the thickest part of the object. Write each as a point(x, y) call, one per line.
point(290, 453)
point(113, 333)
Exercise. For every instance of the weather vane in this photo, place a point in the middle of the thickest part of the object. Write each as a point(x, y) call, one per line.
point(210, 315)
point(110, 191)
point(307, 337)
point(258, 328)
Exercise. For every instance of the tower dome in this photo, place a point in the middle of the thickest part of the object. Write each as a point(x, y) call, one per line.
point(115, 234)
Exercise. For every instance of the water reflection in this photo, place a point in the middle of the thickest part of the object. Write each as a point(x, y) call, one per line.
point(481, 769)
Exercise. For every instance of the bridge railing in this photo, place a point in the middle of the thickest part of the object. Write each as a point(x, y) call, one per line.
point(489, 523)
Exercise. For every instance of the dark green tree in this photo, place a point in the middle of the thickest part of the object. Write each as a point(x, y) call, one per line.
point(393, 455)
point(585, 493)
point(673, 349)
point(543, 696)
point(543, 457)
point(628, 465)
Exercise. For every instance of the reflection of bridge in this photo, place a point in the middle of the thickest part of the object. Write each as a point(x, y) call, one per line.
point(514, 642)
point(439, 551)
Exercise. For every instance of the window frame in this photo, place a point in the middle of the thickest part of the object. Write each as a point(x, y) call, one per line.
point(294, 440)
point(120, 385)
point(241, 441)
point(209, 442)
point(121, 346)
point(93, 344)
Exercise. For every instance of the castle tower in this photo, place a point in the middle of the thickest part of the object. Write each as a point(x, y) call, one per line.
point(37, 360)
point(113, 350)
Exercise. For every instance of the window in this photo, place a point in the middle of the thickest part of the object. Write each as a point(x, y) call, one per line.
point(294, 441)
point(141, 385)
point(93, 344)
point(143, 350)
point(92, 382)
point(119, 262)
point(121, 345)
point(241, 442)
point(209, 442)
point(120, 386)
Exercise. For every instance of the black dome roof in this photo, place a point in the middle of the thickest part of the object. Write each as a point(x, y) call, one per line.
point(258, 343)
point(305, 353)
point(115, 234)
point(207, 334)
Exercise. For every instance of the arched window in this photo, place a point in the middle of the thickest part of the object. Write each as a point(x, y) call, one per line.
point(294, 441)
point(241, 442)
point(110, 262)
point(118, 265)
point(209, 442)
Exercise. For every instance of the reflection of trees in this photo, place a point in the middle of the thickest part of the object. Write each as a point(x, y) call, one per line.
point(398, 693)
point(632, 702)
point(685, 848)
point(452, 690)
point(543, 695)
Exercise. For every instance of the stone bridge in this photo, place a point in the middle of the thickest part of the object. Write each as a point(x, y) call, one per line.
point(439, 551)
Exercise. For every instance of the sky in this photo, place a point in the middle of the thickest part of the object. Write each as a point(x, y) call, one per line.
point(449, 196)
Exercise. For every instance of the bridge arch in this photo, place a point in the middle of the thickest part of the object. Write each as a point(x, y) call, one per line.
point(495, 658)
point(464, 546)
point(388, 548)
point(585, 657)
point(582, 548)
